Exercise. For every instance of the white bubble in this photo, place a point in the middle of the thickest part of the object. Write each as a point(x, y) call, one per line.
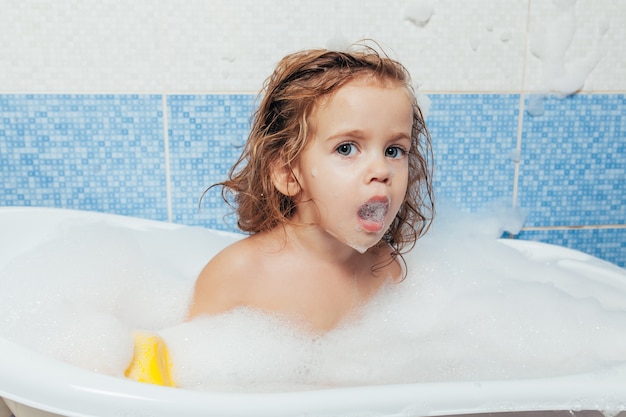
point(551, 41)
point(419, 12)
point(474, 42)
point(535, 105)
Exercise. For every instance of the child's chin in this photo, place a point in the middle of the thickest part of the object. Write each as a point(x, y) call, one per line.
point(362, 244)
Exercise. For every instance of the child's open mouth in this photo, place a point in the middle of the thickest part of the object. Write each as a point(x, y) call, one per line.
point(372, 214)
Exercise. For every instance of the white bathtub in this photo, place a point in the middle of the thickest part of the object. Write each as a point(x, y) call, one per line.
point(34, 385)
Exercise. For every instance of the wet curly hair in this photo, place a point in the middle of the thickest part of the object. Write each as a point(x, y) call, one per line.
point(281, 129)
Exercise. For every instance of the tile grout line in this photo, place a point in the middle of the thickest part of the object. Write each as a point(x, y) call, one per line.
point(164, 107)
point(518, 151)
point(166, 144)
point(586, 227)
point(520, 117)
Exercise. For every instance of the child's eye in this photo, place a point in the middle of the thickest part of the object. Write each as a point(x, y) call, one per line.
point(395, 152)
point(346, 149)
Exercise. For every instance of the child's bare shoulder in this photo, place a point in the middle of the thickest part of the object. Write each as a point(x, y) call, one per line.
point(235, 259)
point(222, 283)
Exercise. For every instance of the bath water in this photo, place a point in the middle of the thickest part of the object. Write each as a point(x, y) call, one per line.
point(471, 308)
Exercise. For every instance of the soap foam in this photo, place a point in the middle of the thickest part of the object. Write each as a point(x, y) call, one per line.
point(373, 211)
point(78, 296)
point(419, 12)
point(471, 308)
point(551, 41)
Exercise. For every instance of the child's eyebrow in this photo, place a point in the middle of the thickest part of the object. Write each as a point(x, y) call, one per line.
point(358, 133)
point(401, 135)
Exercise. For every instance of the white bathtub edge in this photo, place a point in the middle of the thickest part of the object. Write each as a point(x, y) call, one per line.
point(67, 390)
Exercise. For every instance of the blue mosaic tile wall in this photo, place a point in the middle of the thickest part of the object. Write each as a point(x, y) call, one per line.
point(474, 141)
point(573, 166)
point(207, 133)
point(108, 153)
point(88, 152)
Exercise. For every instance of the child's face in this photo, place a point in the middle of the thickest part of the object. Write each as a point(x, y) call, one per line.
point(354, 172)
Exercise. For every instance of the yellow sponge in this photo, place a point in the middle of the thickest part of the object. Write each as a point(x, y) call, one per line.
point(151, 361)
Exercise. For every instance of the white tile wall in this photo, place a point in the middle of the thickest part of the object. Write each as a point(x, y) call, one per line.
point(448, 53)
point(80, 46)
point(232, 45)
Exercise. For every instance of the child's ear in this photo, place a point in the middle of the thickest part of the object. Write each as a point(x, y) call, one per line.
point(285, 180)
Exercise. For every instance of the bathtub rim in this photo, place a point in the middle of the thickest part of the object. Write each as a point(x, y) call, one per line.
point(68, 390)
point(528, 247)
point(140, 223)
point(137, 223)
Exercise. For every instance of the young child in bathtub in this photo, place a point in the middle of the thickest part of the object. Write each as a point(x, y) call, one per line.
point(333, 186)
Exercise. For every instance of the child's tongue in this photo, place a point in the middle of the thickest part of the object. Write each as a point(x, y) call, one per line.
point(372, 215)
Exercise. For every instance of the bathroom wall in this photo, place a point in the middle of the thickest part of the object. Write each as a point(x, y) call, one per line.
point(136, 107)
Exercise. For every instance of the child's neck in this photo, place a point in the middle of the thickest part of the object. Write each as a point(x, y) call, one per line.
point(323, 245)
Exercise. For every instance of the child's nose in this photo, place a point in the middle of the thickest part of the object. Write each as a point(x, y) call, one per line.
point(379, 170)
